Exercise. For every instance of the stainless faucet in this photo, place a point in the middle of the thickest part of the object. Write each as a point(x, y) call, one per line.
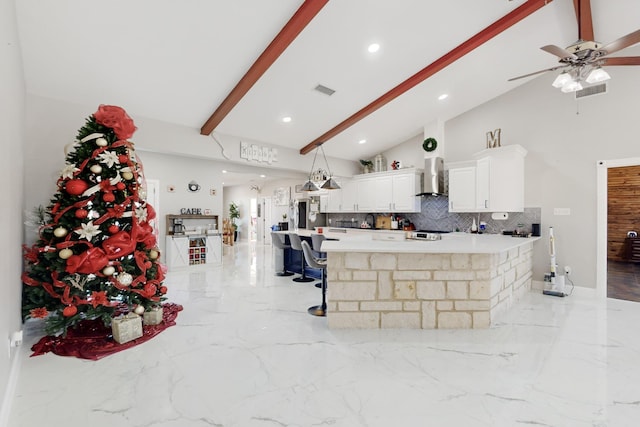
point(373, 219)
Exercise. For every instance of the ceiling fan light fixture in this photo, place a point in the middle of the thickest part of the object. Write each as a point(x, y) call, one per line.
point(562, 79)
point(571, 86)
point(597, 75)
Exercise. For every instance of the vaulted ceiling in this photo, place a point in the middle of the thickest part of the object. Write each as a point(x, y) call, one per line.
point(177, 61)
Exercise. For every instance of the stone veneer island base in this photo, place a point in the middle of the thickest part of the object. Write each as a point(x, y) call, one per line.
point(412, 284)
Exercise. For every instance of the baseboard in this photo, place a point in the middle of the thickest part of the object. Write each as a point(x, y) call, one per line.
point(10, 390)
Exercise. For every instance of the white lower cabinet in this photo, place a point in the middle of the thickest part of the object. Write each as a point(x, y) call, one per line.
point(177, 249)
point(183, 251)
point(214, 249)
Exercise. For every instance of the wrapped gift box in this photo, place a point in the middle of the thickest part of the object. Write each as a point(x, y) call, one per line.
point(126, 328)
point(153, 316)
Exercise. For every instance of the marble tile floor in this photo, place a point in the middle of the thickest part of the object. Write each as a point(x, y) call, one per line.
point(245, 353)
point(623, 280)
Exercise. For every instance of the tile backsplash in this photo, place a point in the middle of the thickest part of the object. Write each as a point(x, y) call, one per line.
point(435, 215)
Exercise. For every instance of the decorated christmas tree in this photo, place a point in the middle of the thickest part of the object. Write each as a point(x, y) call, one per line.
point(96, 254)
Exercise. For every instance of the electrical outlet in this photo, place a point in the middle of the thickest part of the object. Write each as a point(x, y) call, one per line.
point(567, 270)
point(16, 339)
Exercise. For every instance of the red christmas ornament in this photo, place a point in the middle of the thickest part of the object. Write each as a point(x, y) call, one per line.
point(123, 158)
point(163, 290)
point(108, 197)
point(76, 187)
point(113, 229)
point(150, 289)
point(69, 311)
point(81, 213)
point(120, 186)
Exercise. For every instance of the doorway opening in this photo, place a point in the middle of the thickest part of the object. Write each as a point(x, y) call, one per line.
point(253, 221)
point(618, 186)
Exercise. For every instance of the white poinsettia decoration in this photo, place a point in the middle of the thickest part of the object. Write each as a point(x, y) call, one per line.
point(68, 171)
point(109, 158)
point(88, 231)
point(77, 281)
point(141, 214)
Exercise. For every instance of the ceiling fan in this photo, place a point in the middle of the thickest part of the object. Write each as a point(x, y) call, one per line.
point(583, 60)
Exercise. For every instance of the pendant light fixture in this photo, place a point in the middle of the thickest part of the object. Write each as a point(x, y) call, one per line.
point(329, 184)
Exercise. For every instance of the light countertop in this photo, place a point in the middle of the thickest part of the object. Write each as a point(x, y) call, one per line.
point(363, 240)
point(194, 235)
point(450, 243)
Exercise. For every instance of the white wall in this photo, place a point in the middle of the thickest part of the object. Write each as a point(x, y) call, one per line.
point(409, 153)
point(12, 99)
point(563, 148)
point(177, 172)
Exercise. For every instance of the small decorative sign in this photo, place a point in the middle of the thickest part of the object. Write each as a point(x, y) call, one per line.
point(257, 153)
point(191, 211)
point(493, 138)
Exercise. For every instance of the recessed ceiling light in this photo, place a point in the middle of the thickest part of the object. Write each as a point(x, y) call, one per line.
point(224, 171)
point(263, 176)
point(362, 141)
point(373, 47)
point(443, 96)
point(286, 119)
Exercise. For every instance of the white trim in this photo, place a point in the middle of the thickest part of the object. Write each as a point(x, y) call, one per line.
point(602, 167)
point(10, 390)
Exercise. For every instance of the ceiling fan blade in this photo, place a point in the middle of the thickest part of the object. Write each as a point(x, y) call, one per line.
point(534, 73)
point(624, 41)
point(621, 60)
point(558, 51)
point(585, 23)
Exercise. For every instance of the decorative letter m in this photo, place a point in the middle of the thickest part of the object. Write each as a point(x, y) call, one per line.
point(493, 138)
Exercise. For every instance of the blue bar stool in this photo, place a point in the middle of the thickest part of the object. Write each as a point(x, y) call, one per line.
point(317, 310)
point(296, 245)
point(279, 244)
point(316, 245)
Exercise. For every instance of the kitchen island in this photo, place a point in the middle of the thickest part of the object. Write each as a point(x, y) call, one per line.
point(461, 281)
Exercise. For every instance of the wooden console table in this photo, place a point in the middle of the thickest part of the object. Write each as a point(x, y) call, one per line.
point(631, 249)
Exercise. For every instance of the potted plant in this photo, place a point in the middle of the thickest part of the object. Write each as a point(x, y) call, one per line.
point(367, 165)
point(234, 214)
point(284, 225)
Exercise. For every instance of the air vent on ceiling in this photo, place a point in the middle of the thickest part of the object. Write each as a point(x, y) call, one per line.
point(323, 89)
point(591, 90)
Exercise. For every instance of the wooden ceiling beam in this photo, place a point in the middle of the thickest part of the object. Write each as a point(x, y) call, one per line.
point(458, 52)
point(585, 22)
point(305, 14)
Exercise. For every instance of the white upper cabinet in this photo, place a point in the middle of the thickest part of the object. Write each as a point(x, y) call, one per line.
point(366, 190)
point(349, 200)
point(462, 188)
point(392, 191)
point(405, 186)
point(494, 182)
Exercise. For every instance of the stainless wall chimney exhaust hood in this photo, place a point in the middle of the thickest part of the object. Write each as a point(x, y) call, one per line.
point(433, 183)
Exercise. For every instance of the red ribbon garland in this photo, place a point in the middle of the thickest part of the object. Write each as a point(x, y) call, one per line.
point(115, 212)
point(99, 151)
point(80, 204)
point(87, 262)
